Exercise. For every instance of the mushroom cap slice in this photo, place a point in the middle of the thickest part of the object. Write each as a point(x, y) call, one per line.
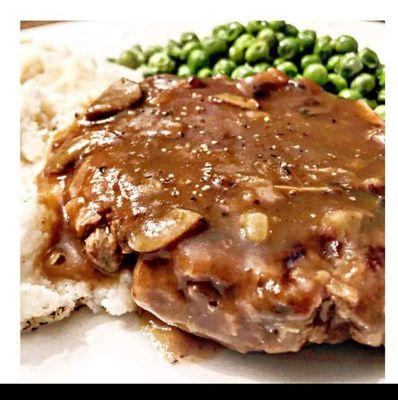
point(119, 96)
point(102, 249)
point(155, 235)
point(78, 147)
point(239, 101)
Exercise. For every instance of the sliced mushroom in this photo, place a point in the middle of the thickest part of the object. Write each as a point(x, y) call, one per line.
point(157, 234)
point(262, 84)
point(255, 226)
point(86, 218)
point(82, 216)
point(102, 249)
point(80, 175)
point(82, 145)
point(60, 159)
point(242, 102)
point(119, 96)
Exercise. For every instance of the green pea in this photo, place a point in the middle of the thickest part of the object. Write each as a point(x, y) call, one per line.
point(290, 30)
point(371, 103)
point(381, 96)
point(140, 55)
point(317, 73)
point(129, 59)
point(245, 40)
point(188, 37)
point(350, 94)
point(234, 29)
point(323, 47)
point(288, 48)
point(261, 67)
point(278, 61)
point(288, 68)
point(184, 71)
point(174, 50)
point(306, 39)
point(349, 65)
point(332, 62)
point(254, 27)
point(214, 46)
point(345, 44)
point(197, 59)
point(279, 36)
point(152, 50)
point(242, 71)
point(258, 51)
point(205, 73)
point(364, 83)
point(221, 32)
point(188, 48)
point(335, 83)
point(369, 58)
point(162, 62)
point(237, 54)
point(310, 59)
point(137, 47)
point(333, 44)
point(298, 77)
point(137, 50)
point(146, 70)
point(224, 67)
point(276, 25)
point(381, 77)
point(381, 111)
point(269, 36)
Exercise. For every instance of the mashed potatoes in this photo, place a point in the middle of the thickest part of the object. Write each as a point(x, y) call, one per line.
point(55, 85)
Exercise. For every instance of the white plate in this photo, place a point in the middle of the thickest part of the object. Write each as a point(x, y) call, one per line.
point(100, 348)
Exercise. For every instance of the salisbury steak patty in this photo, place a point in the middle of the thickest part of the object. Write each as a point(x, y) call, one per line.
point(255, 207)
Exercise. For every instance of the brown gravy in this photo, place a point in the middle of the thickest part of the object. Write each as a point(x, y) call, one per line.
point(186, 146)
point(174, 344)
point(248, 204)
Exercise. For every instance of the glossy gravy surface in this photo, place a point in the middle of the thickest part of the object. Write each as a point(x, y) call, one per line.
point(286, 150)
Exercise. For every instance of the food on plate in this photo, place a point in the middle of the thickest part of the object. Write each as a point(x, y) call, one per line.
point(56, 85)
point(238, 50)
point(250, 212)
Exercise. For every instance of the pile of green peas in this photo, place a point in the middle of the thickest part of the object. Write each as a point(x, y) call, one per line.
point(237, 51)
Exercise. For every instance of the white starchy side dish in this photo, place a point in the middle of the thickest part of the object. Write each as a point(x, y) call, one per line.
point(55, 84)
